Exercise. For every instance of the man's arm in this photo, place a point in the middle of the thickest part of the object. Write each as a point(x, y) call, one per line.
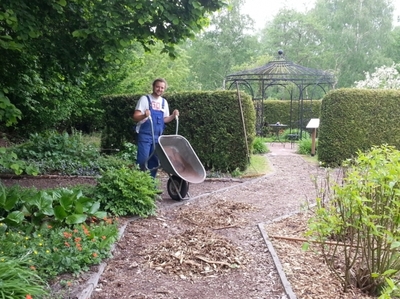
point(171, 117)
point(139, 115)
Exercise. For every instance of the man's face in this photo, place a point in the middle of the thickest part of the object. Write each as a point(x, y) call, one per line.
point(159, 88)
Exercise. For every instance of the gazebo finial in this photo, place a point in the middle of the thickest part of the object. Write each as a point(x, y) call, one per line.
point(281, 54)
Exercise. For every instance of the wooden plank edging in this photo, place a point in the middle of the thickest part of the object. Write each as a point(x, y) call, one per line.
point(286, 284)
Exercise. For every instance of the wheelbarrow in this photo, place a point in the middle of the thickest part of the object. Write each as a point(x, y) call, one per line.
point(178, 159)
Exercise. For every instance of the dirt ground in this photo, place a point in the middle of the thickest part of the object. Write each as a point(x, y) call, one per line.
point(213, 245)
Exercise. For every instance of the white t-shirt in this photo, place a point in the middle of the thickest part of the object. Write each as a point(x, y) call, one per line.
point(143, 105)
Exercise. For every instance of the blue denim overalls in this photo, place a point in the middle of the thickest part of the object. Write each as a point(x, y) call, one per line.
point(145, 139)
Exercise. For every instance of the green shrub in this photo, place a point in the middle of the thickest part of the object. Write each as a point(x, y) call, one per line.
point(362, 221)
point(304, 146)
point(259, 146)
point(126, 191)
point(59, 153)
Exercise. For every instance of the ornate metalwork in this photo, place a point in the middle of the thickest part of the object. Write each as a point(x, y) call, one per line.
point(281, 72)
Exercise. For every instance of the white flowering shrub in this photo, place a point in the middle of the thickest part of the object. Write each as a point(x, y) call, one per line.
point(384, 77)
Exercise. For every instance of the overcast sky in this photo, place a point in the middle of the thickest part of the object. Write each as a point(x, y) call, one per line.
point(263, 10)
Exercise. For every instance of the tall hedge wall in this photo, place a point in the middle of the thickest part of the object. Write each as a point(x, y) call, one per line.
point(356, 119)
point(211, 121)
point(279, 111)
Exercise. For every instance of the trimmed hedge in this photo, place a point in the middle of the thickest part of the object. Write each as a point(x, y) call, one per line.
point(357, 119)
point(279, 111)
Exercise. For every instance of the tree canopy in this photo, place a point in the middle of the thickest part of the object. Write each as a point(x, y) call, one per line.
point(49, 48)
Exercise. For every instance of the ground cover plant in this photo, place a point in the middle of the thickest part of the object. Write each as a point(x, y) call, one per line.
point(55, 231)
point(66, 230)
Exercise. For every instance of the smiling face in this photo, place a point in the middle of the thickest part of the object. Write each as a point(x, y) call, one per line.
point(158, 88)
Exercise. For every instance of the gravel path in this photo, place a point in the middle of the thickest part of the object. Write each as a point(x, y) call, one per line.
point(131, 273)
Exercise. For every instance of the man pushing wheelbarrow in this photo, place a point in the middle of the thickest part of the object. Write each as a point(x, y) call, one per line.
point(173, 153)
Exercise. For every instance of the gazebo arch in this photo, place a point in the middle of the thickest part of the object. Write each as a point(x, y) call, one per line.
point(294, 78)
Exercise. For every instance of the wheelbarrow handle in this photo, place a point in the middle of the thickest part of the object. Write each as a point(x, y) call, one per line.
point(177, 124)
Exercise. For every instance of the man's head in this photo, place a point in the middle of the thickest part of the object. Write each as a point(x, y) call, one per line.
point(159, 86)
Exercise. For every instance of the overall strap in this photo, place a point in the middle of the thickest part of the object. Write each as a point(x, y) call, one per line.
point(148, 98)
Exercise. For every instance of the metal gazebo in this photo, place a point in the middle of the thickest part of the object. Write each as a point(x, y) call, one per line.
point(297, 80)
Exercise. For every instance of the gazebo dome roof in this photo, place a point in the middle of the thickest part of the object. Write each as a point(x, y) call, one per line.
point(283, 70)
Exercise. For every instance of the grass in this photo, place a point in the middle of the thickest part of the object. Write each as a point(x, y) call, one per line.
point(258, 167)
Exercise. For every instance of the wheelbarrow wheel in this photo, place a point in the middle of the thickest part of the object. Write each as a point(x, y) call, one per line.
point(177, 186)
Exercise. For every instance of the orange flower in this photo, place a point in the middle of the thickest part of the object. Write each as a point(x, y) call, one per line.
point(28, 296)
point(77, 239)
point(67, 244)
point(67, 235)
point(32, 268)
point(94, 254)
point(103, 237)
point(85, 230)
point(49, 226)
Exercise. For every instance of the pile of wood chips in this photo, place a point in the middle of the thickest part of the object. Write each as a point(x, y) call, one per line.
point(196, 253)
point(224, 214)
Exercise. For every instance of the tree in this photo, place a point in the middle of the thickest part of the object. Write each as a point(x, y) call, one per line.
point(355, 35)
point(226, 43)
point(48, 48)
point(297, 34)
point(144, 66)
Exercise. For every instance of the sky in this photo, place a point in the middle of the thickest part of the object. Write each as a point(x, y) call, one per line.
point(263, 10)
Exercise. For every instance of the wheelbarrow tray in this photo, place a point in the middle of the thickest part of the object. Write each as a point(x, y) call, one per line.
point(177, 157)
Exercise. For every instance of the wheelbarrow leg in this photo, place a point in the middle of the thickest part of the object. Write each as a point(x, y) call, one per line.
point(177, 187)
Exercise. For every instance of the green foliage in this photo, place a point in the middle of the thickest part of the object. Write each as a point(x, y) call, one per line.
point(28, 209)
point(351, 27)
point(304, 145)
point(128, 152)
point(58, 146)
point(362, 221)
point(259, 146)
point(18, 280)
point(9, 114)
point(9, 162)
point(63, 153)
point(51, 251)
point(302, 36)
point(357, 119)
point(126, 191)
point(53, 69)
point(58, 230)
point(228, 42)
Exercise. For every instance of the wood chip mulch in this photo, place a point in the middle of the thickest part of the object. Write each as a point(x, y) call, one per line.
point(224, 214)
point(306, 270)
point(196, 253)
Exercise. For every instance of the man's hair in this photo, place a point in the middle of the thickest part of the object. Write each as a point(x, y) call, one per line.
point(160, 80)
